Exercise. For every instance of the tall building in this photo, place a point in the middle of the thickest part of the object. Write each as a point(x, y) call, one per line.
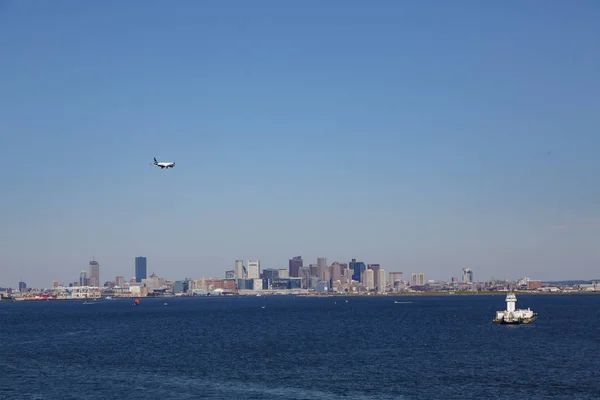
point(321, 268)
point(381, 282)
point(55, 284)
point(417, 279)
point(120, 281)
point(240, 274)
point(83, 279)
point(358, 268)
point(368, 280)
point(348, 273)
point(343, 268)
point(295, 265)
point(467, 275)
point(94, 274)
point(230, 274)
point(375, 268)
point(239, 269)
point(22, 286)
point(336, 272)
point(253, 269)
point(140, 269)
point(395, 278)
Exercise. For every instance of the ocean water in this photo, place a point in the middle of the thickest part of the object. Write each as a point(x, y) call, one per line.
point(286, 347)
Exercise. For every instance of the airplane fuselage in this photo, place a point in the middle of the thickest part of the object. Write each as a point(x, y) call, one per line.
point(163, 165)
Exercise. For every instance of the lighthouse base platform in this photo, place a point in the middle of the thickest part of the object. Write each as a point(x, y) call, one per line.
point(515, 319)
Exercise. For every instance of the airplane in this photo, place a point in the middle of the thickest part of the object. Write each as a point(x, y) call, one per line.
point(163, 164)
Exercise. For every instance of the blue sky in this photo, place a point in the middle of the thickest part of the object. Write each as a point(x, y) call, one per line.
point(425, 136)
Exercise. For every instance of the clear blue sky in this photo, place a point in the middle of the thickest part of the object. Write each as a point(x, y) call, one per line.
point(408, 133)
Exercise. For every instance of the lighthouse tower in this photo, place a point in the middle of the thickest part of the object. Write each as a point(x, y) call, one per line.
point(511, 299)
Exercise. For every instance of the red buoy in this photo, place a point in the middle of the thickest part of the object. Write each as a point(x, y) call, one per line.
point(137, 302)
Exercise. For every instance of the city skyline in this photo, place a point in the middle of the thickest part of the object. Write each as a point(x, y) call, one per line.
point(422, 136)
point(464, 275)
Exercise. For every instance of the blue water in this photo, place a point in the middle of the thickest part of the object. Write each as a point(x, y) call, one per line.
point(300, 348)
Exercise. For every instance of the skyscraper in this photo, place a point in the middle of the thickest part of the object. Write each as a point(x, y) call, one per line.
point(321, 268)
point(358, 268)
point(140, 268)
point(347, 272)
point(417, 279)
point(253, 269)
point(295, 265)
point(94, 274)
point(336, 272)
point(467, 275)
point(83, 279)
point(376, 268)
point(239, 269)
point(381, 282)
point(368, 280)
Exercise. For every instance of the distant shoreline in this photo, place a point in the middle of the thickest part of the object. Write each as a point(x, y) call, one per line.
point(408, 294)
point(317, 295)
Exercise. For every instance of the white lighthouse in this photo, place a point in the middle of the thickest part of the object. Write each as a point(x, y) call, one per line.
point(511, 301)
point(513, 316)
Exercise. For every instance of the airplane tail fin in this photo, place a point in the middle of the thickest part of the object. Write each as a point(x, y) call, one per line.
point(155, 160)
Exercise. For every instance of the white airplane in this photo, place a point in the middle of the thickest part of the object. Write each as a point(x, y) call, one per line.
point(163, 164)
